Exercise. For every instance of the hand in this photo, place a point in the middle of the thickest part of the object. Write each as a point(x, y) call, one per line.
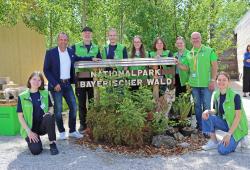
point(176, 61)
point(33, 137)
point(205, 114)
point(57, 88)
point(248, 60)
point(211, 86)
point(48, 113)
point(96, 59)
point(226, 139)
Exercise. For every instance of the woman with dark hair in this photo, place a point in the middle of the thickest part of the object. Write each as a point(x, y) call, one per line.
point(246, 72)
point(227, 115)
point(160, 50)
point(137, 51)
point(34, 117)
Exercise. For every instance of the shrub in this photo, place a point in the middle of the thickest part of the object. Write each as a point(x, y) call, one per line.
point(119, 117)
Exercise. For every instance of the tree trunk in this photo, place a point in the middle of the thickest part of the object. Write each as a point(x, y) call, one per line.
point(84, 13)
point(50, 30)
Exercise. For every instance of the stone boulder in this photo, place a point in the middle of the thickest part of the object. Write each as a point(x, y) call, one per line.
point(164, 140)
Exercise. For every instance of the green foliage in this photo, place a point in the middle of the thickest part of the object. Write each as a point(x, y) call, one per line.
point(120, 116)
point(159, 123)
point(215, 20)
point(182, 105)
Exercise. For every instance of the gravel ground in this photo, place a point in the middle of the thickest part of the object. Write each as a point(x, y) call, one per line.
point(15, 155)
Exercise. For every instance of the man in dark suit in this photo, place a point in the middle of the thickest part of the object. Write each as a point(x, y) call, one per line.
point(59, 70)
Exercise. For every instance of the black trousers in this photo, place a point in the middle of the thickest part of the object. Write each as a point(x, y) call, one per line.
point(83, 94)
point(178, 88)
point(246, 79)
point(47, 126)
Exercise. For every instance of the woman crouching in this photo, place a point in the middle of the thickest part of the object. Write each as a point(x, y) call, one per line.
point(33, 113)
point(228, 115)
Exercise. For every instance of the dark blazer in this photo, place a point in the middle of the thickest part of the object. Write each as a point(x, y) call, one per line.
point(51, 67)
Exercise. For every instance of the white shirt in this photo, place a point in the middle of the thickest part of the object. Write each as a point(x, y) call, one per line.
point(65, 64)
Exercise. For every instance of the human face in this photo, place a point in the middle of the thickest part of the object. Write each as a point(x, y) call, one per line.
point(62, 41)
point(112, 37)
point(196, 39)
point(35, 82)
point(248, 48)
point(137, 43)
point(180, 45)
point(222, 82)
point(159, 45)
point(87, 36)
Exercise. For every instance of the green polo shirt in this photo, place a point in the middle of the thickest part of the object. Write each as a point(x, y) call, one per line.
point(199, 62)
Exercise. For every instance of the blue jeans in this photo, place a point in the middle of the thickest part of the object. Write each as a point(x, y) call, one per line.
point(68, 94)
point(215, 122)
point(202, 100)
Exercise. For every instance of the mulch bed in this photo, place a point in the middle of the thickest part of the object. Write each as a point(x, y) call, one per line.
point(147, 150)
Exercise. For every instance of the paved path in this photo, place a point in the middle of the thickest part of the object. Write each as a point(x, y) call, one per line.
point(14, 155)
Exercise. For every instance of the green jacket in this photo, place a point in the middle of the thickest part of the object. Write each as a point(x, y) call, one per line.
point(184, 75)
point(82, 51)
point(229, 115)
point(118, 53)
point(27, 108)
point(165, 53)
point(200, 74)
point(138, 68)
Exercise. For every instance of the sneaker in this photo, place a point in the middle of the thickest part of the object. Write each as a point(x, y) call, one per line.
point(81, 129)
point(63, 136)
point(53, 149)
point(210, 145)
point(244, 142)
point(75, 134)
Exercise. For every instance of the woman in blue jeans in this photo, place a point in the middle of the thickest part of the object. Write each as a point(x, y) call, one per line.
point(227, 115)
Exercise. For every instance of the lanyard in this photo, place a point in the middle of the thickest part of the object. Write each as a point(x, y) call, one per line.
point(195, 57)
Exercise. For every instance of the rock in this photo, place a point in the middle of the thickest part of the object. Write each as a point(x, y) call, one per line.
point(184, 145)
point(195, 131)
point(164, 140)
point(171, 131)
point(178, 136)
point(194, 136)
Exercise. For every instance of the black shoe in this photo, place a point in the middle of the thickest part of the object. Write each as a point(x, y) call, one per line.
point(53, 149)
point(81, 129)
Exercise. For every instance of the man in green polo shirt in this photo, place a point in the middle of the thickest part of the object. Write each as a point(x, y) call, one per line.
point(202, 65)
point(85, 50)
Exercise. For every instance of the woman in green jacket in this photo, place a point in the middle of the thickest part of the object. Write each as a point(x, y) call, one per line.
point(137, 51)
point(160, 50)
point(33, 113)
point(227, 115)
point(181, 77)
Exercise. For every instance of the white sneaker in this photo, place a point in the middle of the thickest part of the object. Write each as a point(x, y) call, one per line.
point(244, 142)
point(75, 134)
point(62, 136)
point(210, 145)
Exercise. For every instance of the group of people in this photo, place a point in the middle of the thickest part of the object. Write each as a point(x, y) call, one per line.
point(196, 67)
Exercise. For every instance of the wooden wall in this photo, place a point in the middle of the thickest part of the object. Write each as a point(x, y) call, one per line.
point(21, 52)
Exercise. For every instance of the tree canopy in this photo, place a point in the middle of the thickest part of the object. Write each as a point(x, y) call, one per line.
point(215, 19)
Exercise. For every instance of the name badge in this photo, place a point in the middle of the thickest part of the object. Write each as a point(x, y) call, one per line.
point(42, 106)
point(193, 75)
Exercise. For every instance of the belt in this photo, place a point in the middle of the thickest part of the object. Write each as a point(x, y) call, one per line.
point(64, 80)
